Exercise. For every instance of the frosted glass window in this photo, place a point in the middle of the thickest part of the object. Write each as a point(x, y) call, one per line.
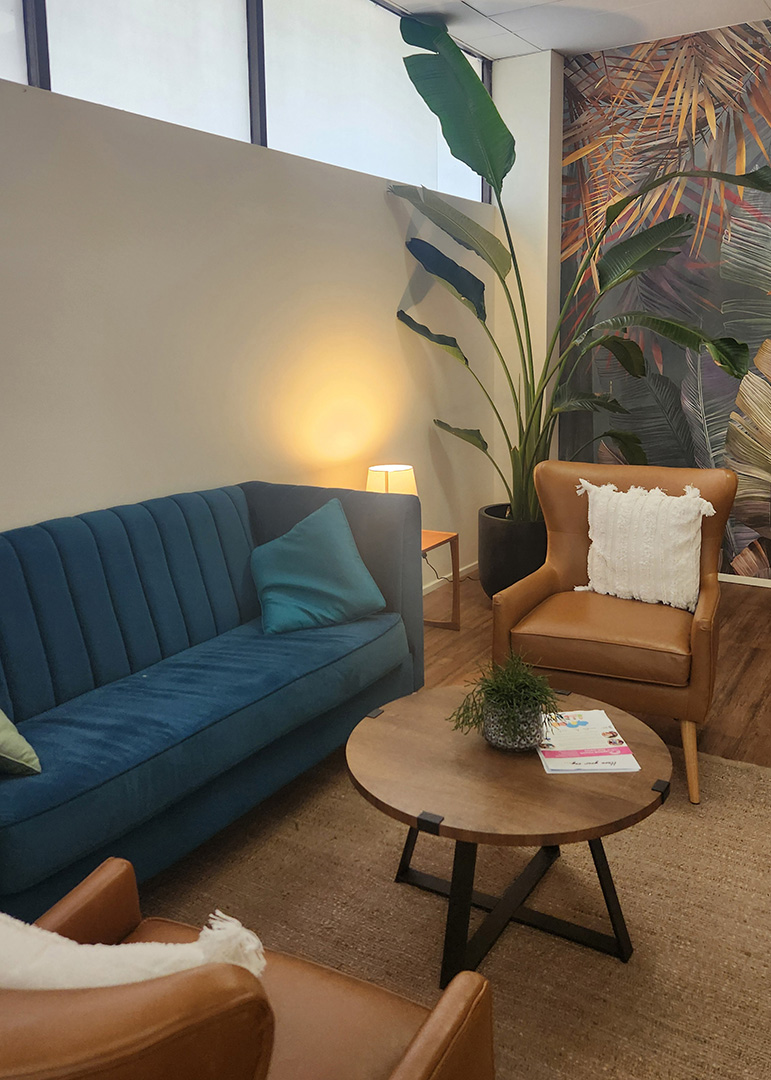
point(337, 91)
point(13, 54)
point(184, 61)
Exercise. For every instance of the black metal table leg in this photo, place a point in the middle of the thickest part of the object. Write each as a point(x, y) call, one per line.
point(617, 921)
point(509, 904)
point(458, 911)
point(464, 953)
point(406, 859)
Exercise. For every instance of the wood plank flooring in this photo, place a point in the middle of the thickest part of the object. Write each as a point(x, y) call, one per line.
point(739, 722)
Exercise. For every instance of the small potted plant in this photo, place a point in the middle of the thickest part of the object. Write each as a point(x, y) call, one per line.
point(509, 704)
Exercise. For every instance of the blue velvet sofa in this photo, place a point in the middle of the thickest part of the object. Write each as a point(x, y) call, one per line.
point(132, 659)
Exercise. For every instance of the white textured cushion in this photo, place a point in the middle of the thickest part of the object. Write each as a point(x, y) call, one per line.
point(645, 545)
point(32, 958)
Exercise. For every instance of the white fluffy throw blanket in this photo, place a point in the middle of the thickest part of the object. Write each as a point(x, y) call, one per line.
point(35, 959)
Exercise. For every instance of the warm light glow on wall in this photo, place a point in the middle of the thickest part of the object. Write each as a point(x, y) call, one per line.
point(329, 409)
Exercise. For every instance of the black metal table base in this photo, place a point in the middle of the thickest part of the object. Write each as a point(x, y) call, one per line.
point(462, 953)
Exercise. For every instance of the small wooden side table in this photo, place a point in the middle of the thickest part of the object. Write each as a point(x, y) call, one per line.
point(431, 539)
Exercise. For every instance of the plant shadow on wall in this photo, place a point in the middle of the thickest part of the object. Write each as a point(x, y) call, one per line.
point(619, 252)
point(661, 109)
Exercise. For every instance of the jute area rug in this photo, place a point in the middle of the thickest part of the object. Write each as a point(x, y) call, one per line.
point(311, 870)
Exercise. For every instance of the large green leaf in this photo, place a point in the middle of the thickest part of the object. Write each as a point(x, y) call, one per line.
point(629, 444)
point(471, 124)
point(449, 344)
point(469, 435)
point(758, 180)
point(655, 414)
point(567, 400)
point(456, 279)
point(731, 355)
point(646, 249)
point(628, 353)
point(458, 225)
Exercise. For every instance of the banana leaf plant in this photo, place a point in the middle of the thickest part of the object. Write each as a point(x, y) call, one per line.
point(539, 386)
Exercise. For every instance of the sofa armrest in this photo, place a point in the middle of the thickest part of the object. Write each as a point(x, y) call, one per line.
point(456, 1040)
point(202, 1024)
point(387, 533)
point(101, 909)
point(512, 604)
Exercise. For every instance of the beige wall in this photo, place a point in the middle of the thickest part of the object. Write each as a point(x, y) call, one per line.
point(179, 310)
point(528, 91)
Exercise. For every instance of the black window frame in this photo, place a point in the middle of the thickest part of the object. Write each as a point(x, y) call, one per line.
point(36, 43)
point(39, 68)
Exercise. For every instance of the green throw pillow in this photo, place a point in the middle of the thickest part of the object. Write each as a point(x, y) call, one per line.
point(313, 575)
point(16, 755)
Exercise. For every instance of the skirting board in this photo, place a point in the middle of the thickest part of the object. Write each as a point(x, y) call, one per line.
point(732, 579)
point(737, 579)
point(464, 572)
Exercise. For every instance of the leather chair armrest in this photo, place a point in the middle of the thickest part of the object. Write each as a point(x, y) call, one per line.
point(456, 1040)
point(704, 644)
point(102, 909)
point(512, 604)
point(706, 607)
point(203, 1024)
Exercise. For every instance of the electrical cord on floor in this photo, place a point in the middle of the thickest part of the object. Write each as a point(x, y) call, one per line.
point(436, 575)
point(442, 577)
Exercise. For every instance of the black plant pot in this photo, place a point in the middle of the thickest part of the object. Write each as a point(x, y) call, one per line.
point(508, 550)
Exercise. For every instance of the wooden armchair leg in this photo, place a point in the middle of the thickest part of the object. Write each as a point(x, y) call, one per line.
point(688, 733)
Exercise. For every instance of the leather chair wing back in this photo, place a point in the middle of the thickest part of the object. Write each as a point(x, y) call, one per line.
point(566, 516)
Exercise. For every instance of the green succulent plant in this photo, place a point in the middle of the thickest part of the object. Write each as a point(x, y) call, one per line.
point(513, 690)
point(539, 387)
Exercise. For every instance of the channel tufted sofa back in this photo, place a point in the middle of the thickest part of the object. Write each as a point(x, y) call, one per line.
point(90, 599)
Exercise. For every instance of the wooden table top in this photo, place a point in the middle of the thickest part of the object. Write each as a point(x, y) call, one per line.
point(409, 759)
point(430, 539)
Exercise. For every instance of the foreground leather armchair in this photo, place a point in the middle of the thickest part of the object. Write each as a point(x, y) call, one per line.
point(300, 1021)
point(640, 657)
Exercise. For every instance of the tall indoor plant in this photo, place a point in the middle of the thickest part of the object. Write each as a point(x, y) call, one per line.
point(539, 387)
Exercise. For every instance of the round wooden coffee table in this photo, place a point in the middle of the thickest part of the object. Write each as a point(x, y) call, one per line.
point(409, 762)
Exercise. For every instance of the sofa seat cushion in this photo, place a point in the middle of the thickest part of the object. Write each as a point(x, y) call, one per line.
point(603, 635)
point(118, 755)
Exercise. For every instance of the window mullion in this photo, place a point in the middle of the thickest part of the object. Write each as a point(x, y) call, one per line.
point(487, 82)
point(36, 39)
point(255, 38)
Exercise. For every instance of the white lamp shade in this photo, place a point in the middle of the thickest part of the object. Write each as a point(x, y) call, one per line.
point(392, 479)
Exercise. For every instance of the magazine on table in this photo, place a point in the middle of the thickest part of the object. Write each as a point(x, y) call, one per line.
point(585, 741)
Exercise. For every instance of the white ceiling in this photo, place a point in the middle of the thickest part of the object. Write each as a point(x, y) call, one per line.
point(499, 28)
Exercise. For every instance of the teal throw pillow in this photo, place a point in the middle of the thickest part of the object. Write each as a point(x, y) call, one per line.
point(313, 575)
point(16, 755)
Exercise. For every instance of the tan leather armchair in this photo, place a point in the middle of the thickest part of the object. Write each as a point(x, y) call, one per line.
point(300, 1021)
point(640, 657)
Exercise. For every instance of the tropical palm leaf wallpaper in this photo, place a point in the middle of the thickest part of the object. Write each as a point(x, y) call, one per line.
point(696, 102)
